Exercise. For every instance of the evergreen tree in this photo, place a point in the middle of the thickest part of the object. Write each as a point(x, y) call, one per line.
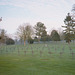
point(40, 30)
point(70, 26)
point(55, 36)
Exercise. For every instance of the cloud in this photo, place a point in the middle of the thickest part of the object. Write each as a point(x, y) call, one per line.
point(50, 12)
point(23, 3)
point(39, 4)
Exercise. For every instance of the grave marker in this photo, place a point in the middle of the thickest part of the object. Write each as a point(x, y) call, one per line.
point(41, 53)
point(25, 53)
point(50, 53)
point(61, 54)
point(18, 52)
point(32, 52)
point(72, 55)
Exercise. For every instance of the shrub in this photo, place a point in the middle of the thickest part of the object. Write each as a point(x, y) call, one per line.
point(30, 41)
point(10, 41)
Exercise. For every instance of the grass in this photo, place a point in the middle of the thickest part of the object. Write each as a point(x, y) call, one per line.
point(14, 61)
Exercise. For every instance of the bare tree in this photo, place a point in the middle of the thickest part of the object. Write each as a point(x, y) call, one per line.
point(2, 36)
point(24, 31)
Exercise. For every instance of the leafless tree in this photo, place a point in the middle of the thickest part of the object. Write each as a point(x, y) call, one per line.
point(25, 31)
point(2, 36)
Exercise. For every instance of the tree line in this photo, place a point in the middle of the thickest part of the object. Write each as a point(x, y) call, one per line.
point(26, 32)
point(37, 33)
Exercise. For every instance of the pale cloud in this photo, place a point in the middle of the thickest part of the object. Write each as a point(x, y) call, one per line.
point(23, 3)
point(11, 24)
point(50, 12)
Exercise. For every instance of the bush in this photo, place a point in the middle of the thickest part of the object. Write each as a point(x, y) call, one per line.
point(35, 39)
point(30, 41)
point(10, 41)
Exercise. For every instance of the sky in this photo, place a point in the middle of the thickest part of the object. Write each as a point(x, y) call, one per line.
point(50, 12)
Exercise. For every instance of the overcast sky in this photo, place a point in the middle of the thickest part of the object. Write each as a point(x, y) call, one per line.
point(50, 12)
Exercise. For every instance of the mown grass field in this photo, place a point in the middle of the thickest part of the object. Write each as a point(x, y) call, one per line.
point(38, 59)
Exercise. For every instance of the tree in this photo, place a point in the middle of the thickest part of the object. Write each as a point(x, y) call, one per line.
point(69, 22)
point(44, 33)
point(55, 36)
point(70, 25)
point(40, 29)
point(48, 38)
point(44, 36)
point(35, 39)
point(2, 36)
point(68, 30)
point(29, 31)
point(25, 31)
point(68, 38)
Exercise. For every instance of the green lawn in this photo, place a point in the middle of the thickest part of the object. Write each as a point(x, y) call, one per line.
point(38, 59)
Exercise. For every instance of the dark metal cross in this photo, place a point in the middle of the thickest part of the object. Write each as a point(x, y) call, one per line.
point(72, 54)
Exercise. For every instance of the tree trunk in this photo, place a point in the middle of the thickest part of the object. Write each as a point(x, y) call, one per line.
point(24, 43)
point(24, 40)
point(69, 43)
